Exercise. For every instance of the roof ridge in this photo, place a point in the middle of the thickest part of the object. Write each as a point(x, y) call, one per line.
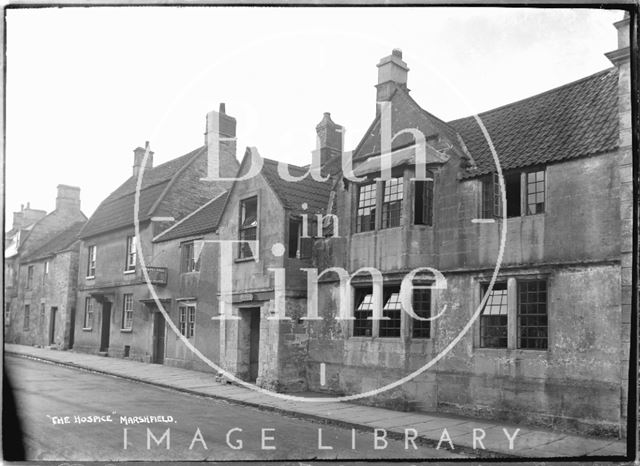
point(37, 253)
point(548, 91)
point(178, 172)
point(191, 214)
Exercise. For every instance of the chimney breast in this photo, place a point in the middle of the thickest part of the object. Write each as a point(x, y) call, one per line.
point(68, 197)
point(392, 71)
point(138, 157)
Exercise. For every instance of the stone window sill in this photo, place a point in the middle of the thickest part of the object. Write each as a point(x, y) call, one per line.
point(91, 277)
point(126, 330)
point(87, 329)
point(129, 272)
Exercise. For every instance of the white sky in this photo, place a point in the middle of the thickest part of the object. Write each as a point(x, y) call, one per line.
point(85, 86)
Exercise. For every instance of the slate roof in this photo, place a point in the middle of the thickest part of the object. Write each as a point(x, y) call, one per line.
point(202, 220)
point(574, 120)
point(293, 194)
point(58, 243)
point(117, 210)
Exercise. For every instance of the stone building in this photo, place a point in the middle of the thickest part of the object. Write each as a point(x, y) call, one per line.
point(190, 295)
point(23, 221)
point(40, 263)
point(117, 315)
point(266, 275)
point(548, 343)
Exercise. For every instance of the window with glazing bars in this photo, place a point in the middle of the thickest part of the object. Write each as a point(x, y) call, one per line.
point(392, 202)
point(130, 261)
point(189, 262)
point(91, 261)
point(127, 312)
point(25, 323)
point(88, 312)
point(422, 308)
point(362, 326)
point(535, 192)
point(187, 320)
point(494, 318)
point(248, 226)
point(29, 277)
point(392, 309)
point(532, 315)
point(491, 196)
point(366, 215)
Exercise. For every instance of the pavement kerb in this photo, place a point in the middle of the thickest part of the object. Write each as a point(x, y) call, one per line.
point(391, 434)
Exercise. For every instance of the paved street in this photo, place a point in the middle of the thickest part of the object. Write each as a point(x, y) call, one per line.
point(45, 391)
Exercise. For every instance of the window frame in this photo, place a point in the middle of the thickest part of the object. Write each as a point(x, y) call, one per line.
point(127, 314)
point(393, 191)
point(423, 197)
point(421, 325)
point(485, 317)
point(26, 318)
point(525, 283)
point(92, 253)
point(372, 194)
point(515, 282)
point(244, 231)
point(188, 262)
point(29, 277)
point(187, 320)
point(526, 188)
point(87, 323)
point(131, 254)
point(391, 296)
point(361, 322)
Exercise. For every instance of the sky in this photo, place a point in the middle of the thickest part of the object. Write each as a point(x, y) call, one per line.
point(85, 86)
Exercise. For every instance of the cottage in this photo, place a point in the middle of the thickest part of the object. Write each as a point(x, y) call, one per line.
point(42, 258)
point(119, 316)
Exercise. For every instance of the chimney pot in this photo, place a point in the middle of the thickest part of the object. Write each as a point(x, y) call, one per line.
point(222, 108)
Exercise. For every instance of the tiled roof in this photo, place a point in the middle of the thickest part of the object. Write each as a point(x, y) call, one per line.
point(293, 194)
point(574, 120)
point(59, 243)
point(117, 210)
point(202, 220)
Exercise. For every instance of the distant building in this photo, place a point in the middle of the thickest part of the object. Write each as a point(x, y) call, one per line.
point(117, 315)
point(42, 263)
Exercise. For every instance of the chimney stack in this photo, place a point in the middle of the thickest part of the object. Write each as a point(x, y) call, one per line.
point(221, 134)
point(26, 216)
point(329, 141)
point(138, 156)
point(221, 123)
point(392, 71)
point(68, 197)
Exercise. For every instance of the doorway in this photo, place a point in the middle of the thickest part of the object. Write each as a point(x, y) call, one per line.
point(250, 340)
point(72, 326)
point(106, 325)
point(52, 326)
point(158, 338)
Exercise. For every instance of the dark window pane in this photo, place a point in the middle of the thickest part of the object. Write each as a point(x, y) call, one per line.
point(532, 315)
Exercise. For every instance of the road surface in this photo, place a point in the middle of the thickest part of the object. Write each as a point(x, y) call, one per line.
point(72, 415)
